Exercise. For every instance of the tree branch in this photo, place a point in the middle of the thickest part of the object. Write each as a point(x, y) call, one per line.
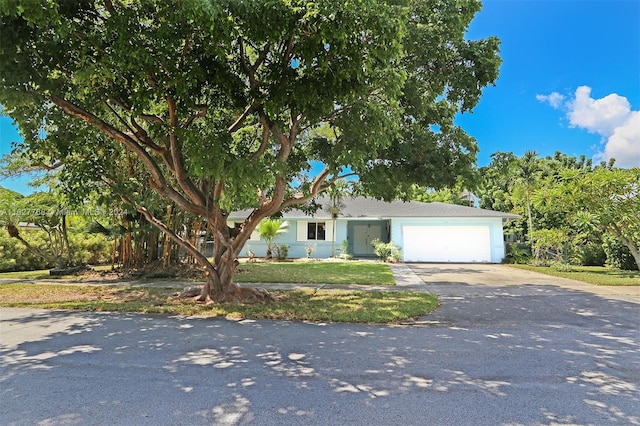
point(185, 183)
point(238, 123)
point(158, 180)
point(202, 111)
point(318, 180)
point(263, 145)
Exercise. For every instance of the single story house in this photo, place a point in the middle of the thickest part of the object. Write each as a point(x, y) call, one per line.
point(425, 232)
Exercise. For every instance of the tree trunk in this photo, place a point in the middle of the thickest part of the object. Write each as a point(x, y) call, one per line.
point(65, 240)
point(636, 255)
point(219, 286)
point(633, 249)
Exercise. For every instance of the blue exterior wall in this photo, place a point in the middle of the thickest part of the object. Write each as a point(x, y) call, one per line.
point(297, 248)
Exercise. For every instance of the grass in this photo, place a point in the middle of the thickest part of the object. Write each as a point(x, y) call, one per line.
point(301, 305)
point(43, 274)
point(27, 275)
point(596, 275)
point(311, 272)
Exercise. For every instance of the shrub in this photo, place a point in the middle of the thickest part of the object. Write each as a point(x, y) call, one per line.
point(251, 255)
point(387, 252)
point(85, 248)
point(344, 250)
point(282, 251)
point(91, 249)
point(14, 256)
point(518, 253)
point(618, 255)
point(589, 254)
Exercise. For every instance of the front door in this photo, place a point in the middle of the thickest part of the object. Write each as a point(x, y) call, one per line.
point(362, 237)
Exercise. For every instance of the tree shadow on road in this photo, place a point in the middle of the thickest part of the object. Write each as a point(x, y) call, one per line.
point(472, 364)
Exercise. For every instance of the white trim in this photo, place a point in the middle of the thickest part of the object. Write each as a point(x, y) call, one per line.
point(328, 230)
point(301, 230)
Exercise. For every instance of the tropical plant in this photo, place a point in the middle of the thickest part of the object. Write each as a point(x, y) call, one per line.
point(387, 252)
point(269, 229)
point(336, 193)
point(609, 198)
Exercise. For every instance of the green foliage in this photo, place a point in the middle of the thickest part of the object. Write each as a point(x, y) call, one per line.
point(589, 254)
point(282, 251)
point(518, 253)
point(618, 255)
point(550, 246)
point(212, 107)
point(269, 229)
point(88, 249)
point(387, 252)
point(608, 199)
point(14, 256)
point(565, 195)
point(344, 250)
point(85, 249)
point(450, 195)
point(274, 60)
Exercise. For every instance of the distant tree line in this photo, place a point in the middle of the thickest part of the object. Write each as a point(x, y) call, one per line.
point(572, 210)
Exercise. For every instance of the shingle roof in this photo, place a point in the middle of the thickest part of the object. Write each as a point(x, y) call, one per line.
point(361, 207)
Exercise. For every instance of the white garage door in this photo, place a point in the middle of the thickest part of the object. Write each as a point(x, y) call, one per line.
point(446, 243)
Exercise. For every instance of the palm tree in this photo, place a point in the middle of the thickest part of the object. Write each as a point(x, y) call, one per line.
point(527, 173)
point(269, 229)
point(336, 192)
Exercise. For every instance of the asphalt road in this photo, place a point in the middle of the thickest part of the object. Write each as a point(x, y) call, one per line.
point(530, 354)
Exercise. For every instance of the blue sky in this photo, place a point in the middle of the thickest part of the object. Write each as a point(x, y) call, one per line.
point(570, 81)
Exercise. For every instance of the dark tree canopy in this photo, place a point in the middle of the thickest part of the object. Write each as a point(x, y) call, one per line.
point(213, 105)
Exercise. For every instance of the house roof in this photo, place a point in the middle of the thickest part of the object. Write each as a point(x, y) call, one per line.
point(361, 207)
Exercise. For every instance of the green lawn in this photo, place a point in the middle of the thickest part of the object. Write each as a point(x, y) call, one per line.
point(314, 272)
point(300, 305)
point(596, 275)
point(26, 275)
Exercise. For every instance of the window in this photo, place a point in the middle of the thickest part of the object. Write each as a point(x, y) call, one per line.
point(316, 231)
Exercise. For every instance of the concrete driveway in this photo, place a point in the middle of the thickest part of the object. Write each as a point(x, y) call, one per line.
point(461, 279)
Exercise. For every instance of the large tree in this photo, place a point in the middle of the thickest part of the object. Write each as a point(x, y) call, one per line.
point(213, 102)
point(608, 198)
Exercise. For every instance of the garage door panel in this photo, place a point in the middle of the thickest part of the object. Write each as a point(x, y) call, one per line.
point(446, 243)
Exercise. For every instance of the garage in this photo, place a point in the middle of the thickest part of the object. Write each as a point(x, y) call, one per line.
point(447, 243)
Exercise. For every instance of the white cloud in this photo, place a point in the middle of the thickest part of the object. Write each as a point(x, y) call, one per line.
point(611, 117)
point(601, 116)
point(624, 143)
point(554, 99)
